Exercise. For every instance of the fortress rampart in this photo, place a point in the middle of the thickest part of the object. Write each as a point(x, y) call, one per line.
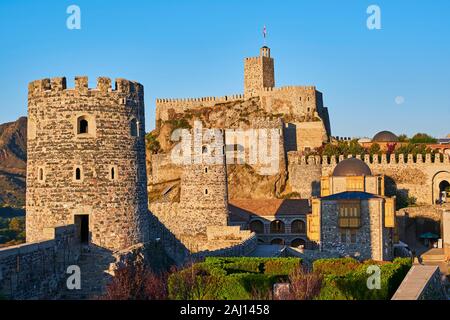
point(35, 270)
point(417, 177)
point(166, 107)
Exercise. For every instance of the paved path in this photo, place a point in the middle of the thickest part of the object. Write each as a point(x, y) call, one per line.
point(267, 251)
point(414, 282)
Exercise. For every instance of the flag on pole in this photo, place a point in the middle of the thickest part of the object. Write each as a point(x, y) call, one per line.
point(264, 32)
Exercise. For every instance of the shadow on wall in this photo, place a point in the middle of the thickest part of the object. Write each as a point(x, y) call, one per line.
point(174, 248)
point(315, 188)
point(412, 228)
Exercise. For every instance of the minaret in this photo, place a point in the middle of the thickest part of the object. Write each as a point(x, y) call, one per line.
point(258, 72)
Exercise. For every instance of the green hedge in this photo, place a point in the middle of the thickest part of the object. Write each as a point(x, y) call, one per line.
point(235, 278)
point(349, 281)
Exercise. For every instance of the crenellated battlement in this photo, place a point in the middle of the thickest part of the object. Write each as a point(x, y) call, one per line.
point(200, 99)
point(295, 158)
point(59, 84)
point(227, 98)
point(288, 88)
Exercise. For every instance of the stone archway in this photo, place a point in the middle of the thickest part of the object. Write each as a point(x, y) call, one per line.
point(441, 180)
point(277, 226)
point(298, 242)
point(277, 241)
point(257, 226)
point(444, 190)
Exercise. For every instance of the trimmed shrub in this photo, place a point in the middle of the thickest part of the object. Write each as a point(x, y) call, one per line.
point(335, 266)
point(282, 267)
point(234, 278)
point(348, 284)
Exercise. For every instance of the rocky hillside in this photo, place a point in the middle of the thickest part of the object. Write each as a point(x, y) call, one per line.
point(243, 180)
point(13, 158)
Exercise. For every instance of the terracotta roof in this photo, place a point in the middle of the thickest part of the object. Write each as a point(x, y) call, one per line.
point(241, 208)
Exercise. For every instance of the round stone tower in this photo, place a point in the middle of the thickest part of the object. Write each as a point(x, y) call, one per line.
point(86, 161)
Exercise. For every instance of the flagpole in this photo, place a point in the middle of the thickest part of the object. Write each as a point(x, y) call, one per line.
point(264, 35)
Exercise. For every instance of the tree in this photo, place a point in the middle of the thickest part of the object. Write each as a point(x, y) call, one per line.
point(152, 143)
point(374, 148)
point(16, 224)
point(422, 138)
point(403, 138)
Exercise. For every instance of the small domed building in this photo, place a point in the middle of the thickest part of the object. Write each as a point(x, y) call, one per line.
point(353, 217)
point(387, 141)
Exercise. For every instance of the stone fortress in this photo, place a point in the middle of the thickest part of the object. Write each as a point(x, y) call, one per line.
point(94, 196)
point(304, 125)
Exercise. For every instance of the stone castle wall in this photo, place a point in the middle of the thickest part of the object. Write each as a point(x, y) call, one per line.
point(414, 177)
point(36, 270)
point(163, 169)
point(166, 108)
point(116, 204)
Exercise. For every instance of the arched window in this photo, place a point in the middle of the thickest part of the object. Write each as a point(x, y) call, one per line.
point(134, 128)
point(204, 149)
point(277, 226)
point(297, 242)
point(83, 125)
point(257, 227)
point(298, 226)
point(277, 241)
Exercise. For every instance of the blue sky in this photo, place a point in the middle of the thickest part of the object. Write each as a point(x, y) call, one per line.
point(196, 48)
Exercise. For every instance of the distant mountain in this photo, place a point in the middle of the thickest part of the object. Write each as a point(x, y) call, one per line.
point(13, 161)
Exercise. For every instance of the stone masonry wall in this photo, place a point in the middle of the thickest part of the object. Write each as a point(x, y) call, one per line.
point(117, 207)
point(258, 74)
point(36, 270)
point(373, 241)
point(414, 177)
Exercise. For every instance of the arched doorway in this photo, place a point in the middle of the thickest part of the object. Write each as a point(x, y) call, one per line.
point(277, 241)
point(277, 226)
point(444, 191)
point(440, 182)
point(298, 226)
point(297, 242)
point(257, 227)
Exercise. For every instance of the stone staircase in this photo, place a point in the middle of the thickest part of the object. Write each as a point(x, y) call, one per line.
point(94, 263)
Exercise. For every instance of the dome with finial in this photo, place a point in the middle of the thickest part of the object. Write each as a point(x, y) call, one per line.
point(351, 167)
point(385, 136)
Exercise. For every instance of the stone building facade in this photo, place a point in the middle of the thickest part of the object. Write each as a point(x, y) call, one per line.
point(86, 161)
point(352, 219)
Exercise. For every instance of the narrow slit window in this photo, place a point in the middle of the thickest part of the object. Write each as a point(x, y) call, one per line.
point(206, 191)
point(41, 174)
point(78, 174)
point(113, 173)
